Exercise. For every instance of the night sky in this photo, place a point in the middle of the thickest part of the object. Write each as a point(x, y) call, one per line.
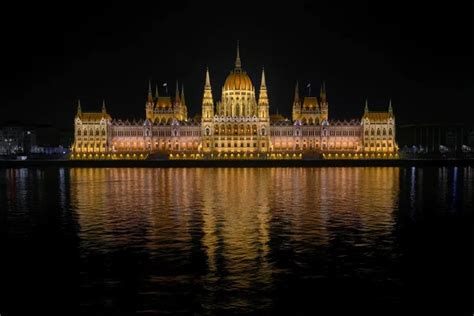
point(419, 55)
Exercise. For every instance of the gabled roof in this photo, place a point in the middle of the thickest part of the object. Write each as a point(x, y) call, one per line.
point(93, 116)
point(378, 116)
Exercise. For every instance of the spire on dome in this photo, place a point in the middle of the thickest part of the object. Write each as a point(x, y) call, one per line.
point(238, 64)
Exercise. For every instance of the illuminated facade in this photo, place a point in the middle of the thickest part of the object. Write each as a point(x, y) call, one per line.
point(239, 125)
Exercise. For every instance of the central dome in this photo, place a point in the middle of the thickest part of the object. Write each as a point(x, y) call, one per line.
point(238, 81)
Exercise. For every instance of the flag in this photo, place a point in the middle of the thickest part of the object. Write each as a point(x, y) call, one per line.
point(309, 85)
point(165, 84)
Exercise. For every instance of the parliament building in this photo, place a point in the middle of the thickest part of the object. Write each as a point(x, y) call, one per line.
point(238, 126)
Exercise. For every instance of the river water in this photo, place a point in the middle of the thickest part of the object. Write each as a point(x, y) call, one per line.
point(118, 241)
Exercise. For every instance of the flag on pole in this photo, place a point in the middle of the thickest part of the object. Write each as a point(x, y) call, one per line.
point(165, 84)
point(309, 85)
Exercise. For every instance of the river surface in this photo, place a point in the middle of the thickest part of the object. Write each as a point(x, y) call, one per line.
point(116, 241)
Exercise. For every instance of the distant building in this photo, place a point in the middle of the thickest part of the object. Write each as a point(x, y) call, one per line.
point(435, 138)
point(238, 125)
point(16, 139)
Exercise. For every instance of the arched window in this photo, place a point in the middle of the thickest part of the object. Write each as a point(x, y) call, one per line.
point(97, 132)
point(263, 131)
point(78, 132)
point(372, 132)
point(103, 132)
point(85, 132)
point(378, 131)
point(208, 132)
point(384, 132)
point(390, 131)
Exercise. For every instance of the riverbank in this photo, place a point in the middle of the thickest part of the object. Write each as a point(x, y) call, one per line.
point(236, 163)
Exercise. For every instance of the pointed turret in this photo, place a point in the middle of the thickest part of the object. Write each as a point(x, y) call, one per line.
point(297, 94)
point(182, 95)
point(296, 114)
point(104, 110)
point(176, 94)
point(150, 96)
point(79, 110)
point(390, 110)
point(263, 98)
point(322, 93)
point(207, 101)
point(366, 108)
point(238, 64)
point(208, 81)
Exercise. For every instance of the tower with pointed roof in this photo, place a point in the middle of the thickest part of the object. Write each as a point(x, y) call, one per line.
point(296, 113)
point(149, 105)
point(324, 105)
point(263, 104)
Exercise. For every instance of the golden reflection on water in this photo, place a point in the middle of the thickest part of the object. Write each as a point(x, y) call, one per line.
point(238, 211)
point(229, 237)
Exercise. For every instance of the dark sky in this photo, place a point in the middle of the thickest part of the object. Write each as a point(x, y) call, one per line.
point(419, 55)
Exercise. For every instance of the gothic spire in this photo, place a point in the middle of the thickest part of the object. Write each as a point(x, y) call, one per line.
point(366, 109)
point(103, 107)
point(182, 94)
point(263, 83)
point(150, 96)
point(390, 109)
point(238, 64)
point(79, 110)
point(322, 93)
point(208, 81)
point(263, 97)
point(177, 91)
point(297, 94)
